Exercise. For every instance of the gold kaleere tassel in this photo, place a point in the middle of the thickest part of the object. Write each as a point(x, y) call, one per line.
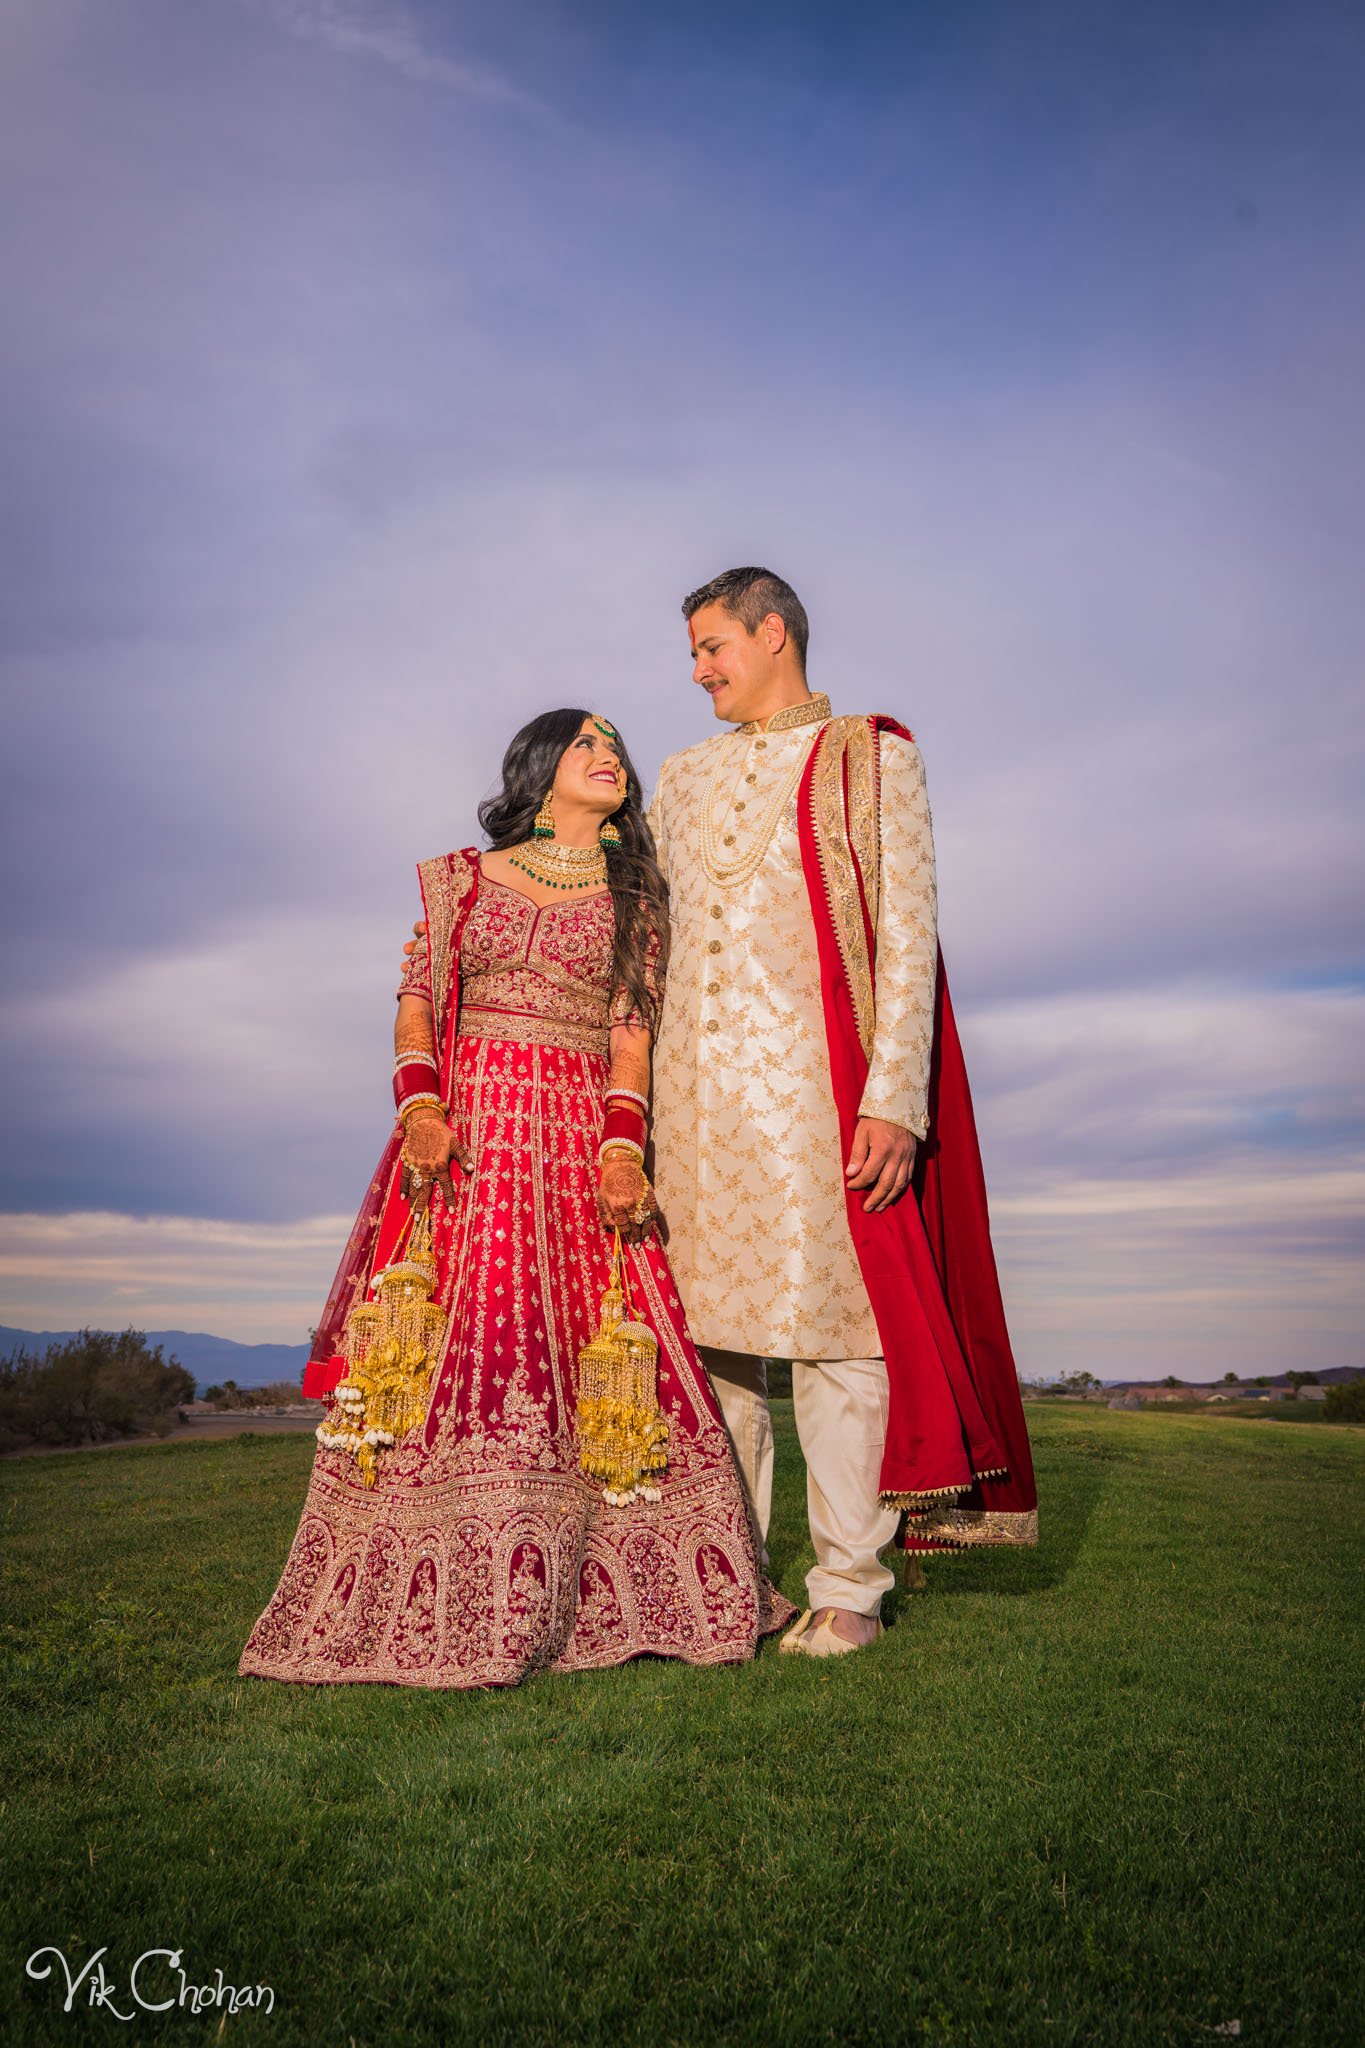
point(391, 1348)
point(621, 1433)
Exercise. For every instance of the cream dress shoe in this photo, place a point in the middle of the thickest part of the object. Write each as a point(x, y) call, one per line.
point(792, 1639)
point(821, 1641)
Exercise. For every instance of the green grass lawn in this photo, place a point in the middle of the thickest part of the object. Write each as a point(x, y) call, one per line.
point(1104, 1792)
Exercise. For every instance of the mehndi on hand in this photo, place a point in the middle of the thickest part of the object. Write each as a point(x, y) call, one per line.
point(625, 1199)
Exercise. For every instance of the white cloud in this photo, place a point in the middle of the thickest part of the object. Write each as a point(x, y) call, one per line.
point(1176, 1173)
point(1157, 1075)
point(257, 1283)
point(1198, 1274)
point(1247, 1269)
point(1177, 1177)
point(385, 32)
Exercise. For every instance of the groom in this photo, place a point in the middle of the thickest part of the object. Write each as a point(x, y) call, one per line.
point(793, 1077)
point(806, 1069)
point(750, 1171)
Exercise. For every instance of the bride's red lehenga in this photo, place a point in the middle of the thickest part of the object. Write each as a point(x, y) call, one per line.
point(482, 1553)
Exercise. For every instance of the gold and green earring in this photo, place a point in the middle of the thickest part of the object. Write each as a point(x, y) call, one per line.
point(610, 838)
point(544, 827)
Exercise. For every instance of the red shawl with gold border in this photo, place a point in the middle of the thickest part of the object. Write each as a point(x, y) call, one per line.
point(449, 886)
point(957, 1452)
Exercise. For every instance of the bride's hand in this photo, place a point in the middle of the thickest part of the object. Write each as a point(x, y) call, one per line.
point(429, 1149)
point(625, 1199)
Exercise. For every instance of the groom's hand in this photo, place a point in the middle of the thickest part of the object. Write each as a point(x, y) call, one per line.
point(419, 931)
point(882, 1159)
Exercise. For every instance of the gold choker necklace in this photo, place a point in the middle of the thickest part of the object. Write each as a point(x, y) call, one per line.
point(560, 867)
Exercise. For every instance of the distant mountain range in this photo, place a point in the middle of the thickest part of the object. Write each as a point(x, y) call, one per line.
point(211, 1359)
point(1330, 1376)
point(215, 1359)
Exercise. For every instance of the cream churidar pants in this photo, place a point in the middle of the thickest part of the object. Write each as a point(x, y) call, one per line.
point(841, 1420)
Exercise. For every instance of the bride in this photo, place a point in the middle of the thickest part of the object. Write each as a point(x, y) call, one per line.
point(467, 1546)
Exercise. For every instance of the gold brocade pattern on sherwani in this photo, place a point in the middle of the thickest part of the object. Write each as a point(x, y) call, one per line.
point(749, 1165)
point(888, 808)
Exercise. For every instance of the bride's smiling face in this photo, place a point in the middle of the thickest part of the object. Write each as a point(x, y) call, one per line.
point(590, 773)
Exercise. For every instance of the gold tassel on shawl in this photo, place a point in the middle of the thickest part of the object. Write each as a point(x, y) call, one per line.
point(391, 1347)
point(621, 1433)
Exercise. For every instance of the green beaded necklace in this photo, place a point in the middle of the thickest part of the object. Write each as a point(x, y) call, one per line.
point(547, 862)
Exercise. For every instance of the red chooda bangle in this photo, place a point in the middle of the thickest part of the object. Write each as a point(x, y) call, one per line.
point(412, 1080)
point(624, 1122)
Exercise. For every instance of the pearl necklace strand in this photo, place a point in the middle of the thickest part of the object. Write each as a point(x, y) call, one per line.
point(732, 871)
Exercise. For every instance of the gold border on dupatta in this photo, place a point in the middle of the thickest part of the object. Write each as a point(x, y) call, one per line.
point(865, 810)
point(446, 881)
point(972, 1528)
point(847, 839)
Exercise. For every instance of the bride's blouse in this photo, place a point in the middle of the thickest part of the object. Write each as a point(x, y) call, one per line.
point(537, 974)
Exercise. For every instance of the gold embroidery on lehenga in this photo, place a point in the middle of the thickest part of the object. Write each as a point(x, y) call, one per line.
point(532, 973)
point(522, 1029)
point(482, 1552)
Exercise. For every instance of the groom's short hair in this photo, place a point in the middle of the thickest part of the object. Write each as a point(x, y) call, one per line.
point(749, 595)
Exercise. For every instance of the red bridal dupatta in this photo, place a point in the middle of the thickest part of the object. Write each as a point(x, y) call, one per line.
point(449, 885)
point(957, 1452)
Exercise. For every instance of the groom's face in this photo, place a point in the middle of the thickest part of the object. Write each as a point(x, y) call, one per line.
point(732, 665)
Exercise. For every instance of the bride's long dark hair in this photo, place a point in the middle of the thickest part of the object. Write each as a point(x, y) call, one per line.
point(639, 892)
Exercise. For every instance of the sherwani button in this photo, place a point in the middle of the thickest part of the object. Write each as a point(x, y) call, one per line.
point(713, 946)
point(713, 988)
point(716, 910)
point(713, 1024)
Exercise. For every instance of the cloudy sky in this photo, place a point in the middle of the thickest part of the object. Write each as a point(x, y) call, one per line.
point(375, 375)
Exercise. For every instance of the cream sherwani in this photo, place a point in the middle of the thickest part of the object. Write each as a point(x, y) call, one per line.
point(749, 1166)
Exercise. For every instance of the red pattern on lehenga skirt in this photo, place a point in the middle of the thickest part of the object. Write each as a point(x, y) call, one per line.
point(483, 1553)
